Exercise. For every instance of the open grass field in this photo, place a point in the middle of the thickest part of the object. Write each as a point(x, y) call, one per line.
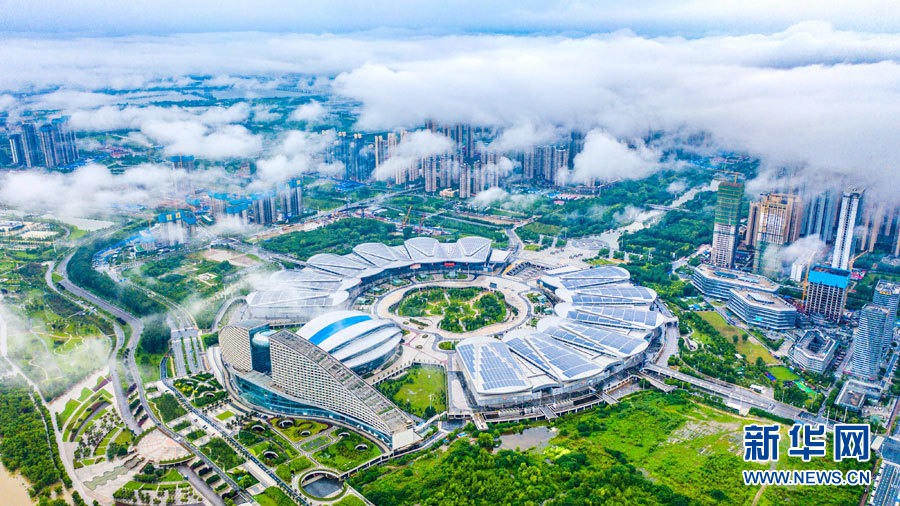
point(420, 388)
point(782, 373)
point(672, 441)
point(748, 348)
point(225, 415)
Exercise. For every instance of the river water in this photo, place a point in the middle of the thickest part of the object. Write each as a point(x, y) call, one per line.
point(646, 218)
point(13, 489)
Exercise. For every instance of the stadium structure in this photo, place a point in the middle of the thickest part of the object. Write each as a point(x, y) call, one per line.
point(603, 325)
point(331, 282)
point(315, 373)
point(602, 328)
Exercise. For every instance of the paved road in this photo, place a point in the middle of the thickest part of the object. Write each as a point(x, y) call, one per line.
point(732, 393)
point(137, 328)
point(121, 398)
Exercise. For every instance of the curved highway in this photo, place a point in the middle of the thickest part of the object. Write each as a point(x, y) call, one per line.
point(137, 328)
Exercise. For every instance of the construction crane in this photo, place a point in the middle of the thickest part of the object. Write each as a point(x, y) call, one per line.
point(406, 219)
point(854, 259)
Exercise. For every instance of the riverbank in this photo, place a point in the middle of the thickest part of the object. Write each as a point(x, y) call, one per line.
point(13, 489)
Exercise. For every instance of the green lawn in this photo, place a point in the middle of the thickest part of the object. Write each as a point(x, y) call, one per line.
point(343, 454)
point(71, 406)
point(287, 470)
point(350, 500)
point(225, 415)
point(630, 453)
point(273, 496)
point(419, 388)
point(295, 432)
point(747, 348)
point(315, 443)
point(783, 373)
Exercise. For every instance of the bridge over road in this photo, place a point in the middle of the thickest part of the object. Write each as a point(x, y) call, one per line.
point(729, 392)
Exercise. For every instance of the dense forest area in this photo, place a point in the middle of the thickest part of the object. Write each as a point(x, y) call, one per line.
point(25, 444)
point(81, 273)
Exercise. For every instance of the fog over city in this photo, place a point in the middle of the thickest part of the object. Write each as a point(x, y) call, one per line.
point(816, 98)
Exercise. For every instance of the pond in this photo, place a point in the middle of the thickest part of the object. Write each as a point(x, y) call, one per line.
point(532, 437)
point(323, 487)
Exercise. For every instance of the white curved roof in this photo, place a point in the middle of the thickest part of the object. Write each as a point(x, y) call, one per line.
point(329, 273)
point(585, 278)
point(353, 337)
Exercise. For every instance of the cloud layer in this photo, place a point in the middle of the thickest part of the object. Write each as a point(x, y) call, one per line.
point(812, 97)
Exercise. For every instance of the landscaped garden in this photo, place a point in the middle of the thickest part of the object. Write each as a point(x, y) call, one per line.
point(422, 391)
point(348, 452)
point(201, 389)
point(296, 429)
point(651, 448)
point(463, 309)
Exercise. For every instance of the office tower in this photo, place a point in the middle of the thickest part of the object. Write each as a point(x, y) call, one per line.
point(820, 215)
point(263, 205)
point(773, 221)
point(826, 292)
point(843, 241)
point(31, 147)
point(465, 180)
point(17, 148)
point(727, 220)
point(291, 199)
point(867, 338)
point(887, 295)
point(183, 162)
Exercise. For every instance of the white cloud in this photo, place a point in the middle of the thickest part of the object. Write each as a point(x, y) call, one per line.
point(297, 152)
point(91, 189)
point(414, 146)
point(604, 158)
point(488, 197)
point(310, 112)
point(524, 135)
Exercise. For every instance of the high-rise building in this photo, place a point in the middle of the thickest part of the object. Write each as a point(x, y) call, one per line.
point(867, 340)
point(17, 148)
point(176, 227)
point(465, 180)
point(32, 147)
point(183, 162)
point(51, 145)
point(826, 292)
point(236, 343)
point(773, 221)
point(725, 227)
point(887, 295)
point(291, 199)
point(263, 205)
point(843, 241)
point(819, 216)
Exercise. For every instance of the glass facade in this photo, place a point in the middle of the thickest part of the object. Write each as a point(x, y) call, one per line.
point(272, 401)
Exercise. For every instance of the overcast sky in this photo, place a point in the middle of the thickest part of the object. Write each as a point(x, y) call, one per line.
point(808, 85)
point(650, 17)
